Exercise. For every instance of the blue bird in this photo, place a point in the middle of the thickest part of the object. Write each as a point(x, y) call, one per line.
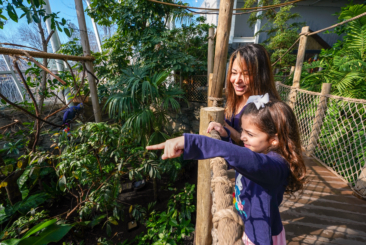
point(71, 112)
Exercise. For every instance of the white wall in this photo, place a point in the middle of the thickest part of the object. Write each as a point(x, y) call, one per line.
point(317, 14)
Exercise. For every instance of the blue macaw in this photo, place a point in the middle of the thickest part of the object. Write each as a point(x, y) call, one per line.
point(71, 112)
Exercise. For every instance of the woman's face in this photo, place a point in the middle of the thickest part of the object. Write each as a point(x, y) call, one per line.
point(240, 79)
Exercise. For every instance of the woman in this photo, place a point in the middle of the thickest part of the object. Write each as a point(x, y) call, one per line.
point(250, 73)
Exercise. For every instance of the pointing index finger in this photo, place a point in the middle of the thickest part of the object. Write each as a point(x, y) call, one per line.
point(156, 147)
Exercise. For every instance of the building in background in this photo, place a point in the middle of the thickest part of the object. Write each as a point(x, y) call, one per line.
point(317, 14)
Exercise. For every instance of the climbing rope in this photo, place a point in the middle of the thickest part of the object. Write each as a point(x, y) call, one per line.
point(228, 226)
point(237, 9)
point(316, 32)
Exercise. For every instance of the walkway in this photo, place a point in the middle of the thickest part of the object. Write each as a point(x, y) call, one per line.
point(326, 212)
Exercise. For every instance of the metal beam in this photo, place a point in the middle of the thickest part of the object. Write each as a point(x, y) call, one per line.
point(257, 26)
point(96, 32)
point(15, 79)
point(56, 45)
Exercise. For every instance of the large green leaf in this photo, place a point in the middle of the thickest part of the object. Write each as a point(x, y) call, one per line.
point(12, 241)
point(7, 212)
point(33, 202)
point(21, 183)
point(39, 227)
point(97, 220)
point(52, 233)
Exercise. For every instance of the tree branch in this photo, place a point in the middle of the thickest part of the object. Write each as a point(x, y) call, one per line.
point(63, 102)
point(18, 45)
point(82, 83)
point(87, 94)
point(49, 37)
point(36, 135)
point(72, 73)
point(27, 112)
point(43, 68)
point(9, 125)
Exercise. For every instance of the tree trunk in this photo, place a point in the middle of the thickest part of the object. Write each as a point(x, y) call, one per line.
point(2, 163)
point(12, 189)
point(155, 185)
point(43, 85)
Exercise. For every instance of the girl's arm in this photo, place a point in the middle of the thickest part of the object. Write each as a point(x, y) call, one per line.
point(266, 170)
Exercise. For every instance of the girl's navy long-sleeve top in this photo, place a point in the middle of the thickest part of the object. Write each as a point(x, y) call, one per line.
point(260, 183)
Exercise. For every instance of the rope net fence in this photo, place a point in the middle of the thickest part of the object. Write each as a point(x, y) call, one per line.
point(340, 142)
point(194, 87)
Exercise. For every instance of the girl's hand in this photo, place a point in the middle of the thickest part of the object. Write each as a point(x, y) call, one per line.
point(172, 148)
point(218, 127)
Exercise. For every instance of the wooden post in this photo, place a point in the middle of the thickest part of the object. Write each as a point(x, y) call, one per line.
point(210, 77)
point(292, 70)
point(318, 121)
point(89, 65)
point(222, 45)
point(204, 200)
point(298, 67)
point(210, 54)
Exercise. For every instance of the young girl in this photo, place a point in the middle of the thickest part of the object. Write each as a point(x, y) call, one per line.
point(269, 165)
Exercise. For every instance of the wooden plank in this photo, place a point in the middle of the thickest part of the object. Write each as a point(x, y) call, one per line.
point(35, 54)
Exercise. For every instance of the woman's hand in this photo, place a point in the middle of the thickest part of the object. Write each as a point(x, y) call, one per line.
point(172, 148)
point(218, 127)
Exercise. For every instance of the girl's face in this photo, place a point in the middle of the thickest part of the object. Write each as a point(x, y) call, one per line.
point(240, 79)
point(254, 138)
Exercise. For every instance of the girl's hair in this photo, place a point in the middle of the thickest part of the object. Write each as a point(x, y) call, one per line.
point(278, 119)
point(257, 61)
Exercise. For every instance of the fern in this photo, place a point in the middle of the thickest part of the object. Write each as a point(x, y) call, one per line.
point(143, 101)
point(345, 65)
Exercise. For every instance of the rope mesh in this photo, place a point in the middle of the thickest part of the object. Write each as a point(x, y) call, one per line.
point(341, 144)
point(194, 87)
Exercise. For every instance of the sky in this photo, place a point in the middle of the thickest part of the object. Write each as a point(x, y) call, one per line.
point(67, 11)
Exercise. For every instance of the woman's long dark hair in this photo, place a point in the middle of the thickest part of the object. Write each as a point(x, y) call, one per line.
point(256, 58)
point(278, 119)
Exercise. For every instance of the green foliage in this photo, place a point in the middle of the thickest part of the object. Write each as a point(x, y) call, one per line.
point(23, 224)
point(23, 207)
point(13, 147)
point(173, 225)
point(33, 10)
point(49, 231)
point(345, 64)
point(281, 34)
point(143, 101)
point(143, 36)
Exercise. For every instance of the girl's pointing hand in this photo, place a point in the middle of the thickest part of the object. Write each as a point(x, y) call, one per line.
point(172, 148)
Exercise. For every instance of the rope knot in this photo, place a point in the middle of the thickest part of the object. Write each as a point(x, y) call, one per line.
point(215, 100)
point(228, 213)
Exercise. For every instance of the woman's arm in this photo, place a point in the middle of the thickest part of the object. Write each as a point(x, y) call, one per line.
point(235, 135)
